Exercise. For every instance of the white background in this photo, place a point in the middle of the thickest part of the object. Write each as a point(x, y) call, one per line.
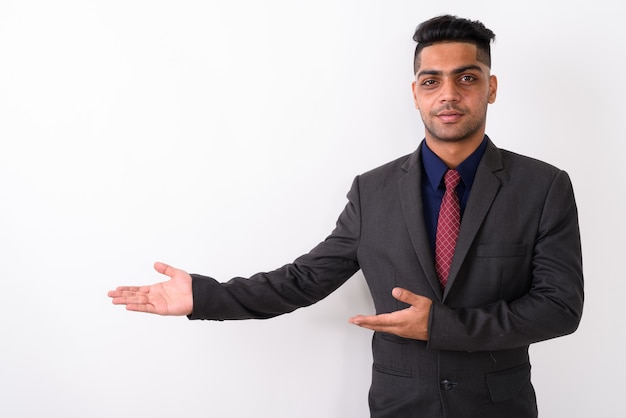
point(221, 137)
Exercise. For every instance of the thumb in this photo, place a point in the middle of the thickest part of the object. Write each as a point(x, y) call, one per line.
point(405, 296)
point(164, 268)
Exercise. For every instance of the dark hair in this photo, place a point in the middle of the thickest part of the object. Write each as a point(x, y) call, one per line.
point(448, 28)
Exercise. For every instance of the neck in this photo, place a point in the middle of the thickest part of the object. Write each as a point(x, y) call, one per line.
point(453, 153)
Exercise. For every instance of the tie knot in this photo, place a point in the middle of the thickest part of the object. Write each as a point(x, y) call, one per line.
point(451, 179)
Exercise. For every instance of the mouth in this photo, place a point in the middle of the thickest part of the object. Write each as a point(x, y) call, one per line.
point(449, 116)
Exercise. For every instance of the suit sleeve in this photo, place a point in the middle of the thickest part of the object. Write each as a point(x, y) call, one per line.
point(551, 308)
point(304, 282)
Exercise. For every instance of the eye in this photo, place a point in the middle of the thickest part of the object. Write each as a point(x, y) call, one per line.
point(429, 83)
point(467, 78)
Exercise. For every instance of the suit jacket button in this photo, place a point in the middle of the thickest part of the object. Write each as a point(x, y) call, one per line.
point(447, 384)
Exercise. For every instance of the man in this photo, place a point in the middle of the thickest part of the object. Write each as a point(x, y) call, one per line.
point(452, 329)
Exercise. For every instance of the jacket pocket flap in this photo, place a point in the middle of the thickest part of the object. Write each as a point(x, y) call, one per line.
point(506, 384)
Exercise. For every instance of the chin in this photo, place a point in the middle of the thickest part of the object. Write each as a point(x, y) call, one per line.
point(453, 137)
point(450, 139)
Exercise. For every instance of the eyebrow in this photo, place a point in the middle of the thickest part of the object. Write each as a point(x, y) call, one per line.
point(455, 71)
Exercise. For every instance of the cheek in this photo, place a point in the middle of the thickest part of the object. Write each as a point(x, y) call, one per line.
point(422, 103)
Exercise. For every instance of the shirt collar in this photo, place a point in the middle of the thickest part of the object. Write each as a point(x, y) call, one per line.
point(435, 168)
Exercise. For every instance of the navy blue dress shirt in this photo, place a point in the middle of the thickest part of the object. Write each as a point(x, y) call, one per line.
point(433, 186)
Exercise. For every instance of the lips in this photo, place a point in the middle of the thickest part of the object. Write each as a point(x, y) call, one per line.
point(449, 116)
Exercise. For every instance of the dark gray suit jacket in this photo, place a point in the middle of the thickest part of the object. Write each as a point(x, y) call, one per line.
point(516, 278)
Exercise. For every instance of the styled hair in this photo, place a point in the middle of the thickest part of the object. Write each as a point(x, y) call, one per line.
point(448, 28)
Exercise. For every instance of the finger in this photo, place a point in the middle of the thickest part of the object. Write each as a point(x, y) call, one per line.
point(128, 288)
point(160, 267)
point(124, 290)
point(130, 300)
point(128, 291)
point(165, 269)
point(114, 293)
point(141, 307)
point(375, 326)
point(372, 320)
point(356, 320)
point(406, 296)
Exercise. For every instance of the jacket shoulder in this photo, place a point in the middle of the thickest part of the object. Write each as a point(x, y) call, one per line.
point(391, 170)
point(513, 160)
point(531, 171)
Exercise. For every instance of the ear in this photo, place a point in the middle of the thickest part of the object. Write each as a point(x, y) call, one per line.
point(493, 88)
point(414, 90)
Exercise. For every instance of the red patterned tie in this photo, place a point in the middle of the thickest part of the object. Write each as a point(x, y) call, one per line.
point(447, 227)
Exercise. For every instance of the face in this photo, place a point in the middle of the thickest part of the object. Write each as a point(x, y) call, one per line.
point(451, 91)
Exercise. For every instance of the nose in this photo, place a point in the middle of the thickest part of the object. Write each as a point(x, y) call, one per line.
point(449, 92)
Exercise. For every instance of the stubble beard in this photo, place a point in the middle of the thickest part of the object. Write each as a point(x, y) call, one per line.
point(457, 132)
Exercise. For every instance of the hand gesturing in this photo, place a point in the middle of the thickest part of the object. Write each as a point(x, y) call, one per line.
point(172, 297)
point(411, 322)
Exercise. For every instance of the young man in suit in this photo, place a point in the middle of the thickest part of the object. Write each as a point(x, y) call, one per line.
point(451, 331)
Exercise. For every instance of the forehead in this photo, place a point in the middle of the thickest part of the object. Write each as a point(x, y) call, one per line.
point(444, 56)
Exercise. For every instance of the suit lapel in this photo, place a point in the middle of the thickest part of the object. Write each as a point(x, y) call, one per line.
point(410, 189)
point(484, 191)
